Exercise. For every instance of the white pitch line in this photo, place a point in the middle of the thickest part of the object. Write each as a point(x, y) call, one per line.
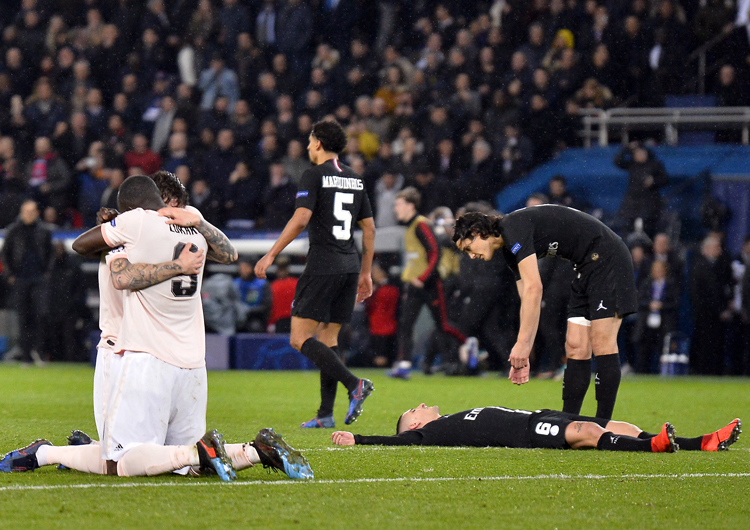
point(374, 480)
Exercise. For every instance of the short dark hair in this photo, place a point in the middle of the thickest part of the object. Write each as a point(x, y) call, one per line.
point(473, 224)
point(138, 191)
point(398, 423)
point(410, 194)
point(170, 187)
point(331, 135)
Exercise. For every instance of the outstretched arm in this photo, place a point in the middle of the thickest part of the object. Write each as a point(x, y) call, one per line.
point(405, 438)
point(530, 289)
point(90, 242)
point(135, 276)
point(220, 249)
point(293, 228)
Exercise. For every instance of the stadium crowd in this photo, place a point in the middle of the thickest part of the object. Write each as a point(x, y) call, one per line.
point(454, 98)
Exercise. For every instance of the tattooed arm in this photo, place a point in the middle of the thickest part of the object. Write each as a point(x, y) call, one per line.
point(135, 276)
point(220, 249)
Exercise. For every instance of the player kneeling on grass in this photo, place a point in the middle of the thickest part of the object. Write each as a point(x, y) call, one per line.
point(551, 429)
point(207, 457)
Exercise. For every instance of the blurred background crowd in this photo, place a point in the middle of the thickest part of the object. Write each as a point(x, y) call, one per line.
point(458, 99)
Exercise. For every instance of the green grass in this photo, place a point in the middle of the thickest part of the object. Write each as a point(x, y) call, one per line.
point(385, 488)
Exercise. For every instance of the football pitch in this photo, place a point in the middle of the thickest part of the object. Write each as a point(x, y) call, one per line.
point(365, 487)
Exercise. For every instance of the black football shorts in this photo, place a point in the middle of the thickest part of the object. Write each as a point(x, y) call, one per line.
point(326, 298)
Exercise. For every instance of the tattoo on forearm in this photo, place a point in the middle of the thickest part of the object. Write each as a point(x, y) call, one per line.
point(579, 426)
point(135, 276)
point(220, 249)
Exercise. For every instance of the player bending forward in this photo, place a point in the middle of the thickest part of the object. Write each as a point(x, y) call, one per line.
point(523, 429)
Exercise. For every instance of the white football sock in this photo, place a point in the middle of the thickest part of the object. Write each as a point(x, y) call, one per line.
point(152, 459)
point(243, 455)
point(86, 458)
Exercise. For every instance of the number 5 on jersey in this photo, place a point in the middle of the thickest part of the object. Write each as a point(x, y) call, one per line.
point(345, 216)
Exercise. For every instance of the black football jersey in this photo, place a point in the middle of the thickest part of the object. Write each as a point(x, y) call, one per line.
point(338, 200)
point(480, 427)
point(550, 230)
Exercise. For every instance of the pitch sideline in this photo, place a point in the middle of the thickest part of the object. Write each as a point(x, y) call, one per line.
point(680, 476)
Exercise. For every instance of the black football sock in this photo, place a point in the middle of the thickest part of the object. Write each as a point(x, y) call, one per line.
point(686, 444)
point(328, 386)
point(328, 362)
point(607, 382)
point(576, 379)
point(618, 442)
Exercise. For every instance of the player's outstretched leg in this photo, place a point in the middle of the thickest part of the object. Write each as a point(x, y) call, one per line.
point(23, 459)
point(276, 454)
point(356, 400)
point(664, 442)
point(326, 422)
point(723, 438)
point(213, 457)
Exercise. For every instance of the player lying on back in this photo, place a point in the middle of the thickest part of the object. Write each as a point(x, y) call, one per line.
point(523, 429)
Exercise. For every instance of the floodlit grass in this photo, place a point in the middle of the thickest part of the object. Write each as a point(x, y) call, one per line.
point(386, 487)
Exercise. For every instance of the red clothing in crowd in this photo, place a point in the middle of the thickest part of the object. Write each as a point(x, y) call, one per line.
point(381, 310)
point(148, 161)
point(282, 296)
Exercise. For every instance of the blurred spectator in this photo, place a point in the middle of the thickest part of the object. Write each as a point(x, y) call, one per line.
point(177, 154)
point(203, 198)
point(558, 193)
point(295, 161)
point(296, 18)
point(382, 310)
point(254, 296)
point(662, 251)
point(222, 309)
point(282, 297)
point(516, 154)
point(109, 195)
point(710, 295)
point(12, 189)
point(163, 124)
point(47, 176)
point(234, 18)
point(219, 163)
point(658, 297)
point(141, 156)
point(60, 340)
point(72, 142)
point(244, 193)
point(43, 110)
point(386, 190)
point(278, 199)
point(218, 80)
point(27, 258)
point(646, 176)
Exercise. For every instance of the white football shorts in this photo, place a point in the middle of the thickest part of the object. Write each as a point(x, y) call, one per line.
point(101, 388)
point(151, 401)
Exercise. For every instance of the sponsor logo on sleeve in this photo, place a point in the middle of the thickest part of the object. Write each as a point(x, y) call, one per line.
point(112, 222)
point(302, 194)
point(516, 248)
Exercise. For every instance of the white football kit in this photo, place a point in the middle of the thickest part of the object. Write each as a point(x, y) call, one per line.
point(158, 389)
point(110, 318)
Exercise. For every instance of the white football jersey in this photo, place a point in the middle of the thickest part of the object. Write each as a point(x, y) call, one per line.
point(165, 320)
point(110, 300)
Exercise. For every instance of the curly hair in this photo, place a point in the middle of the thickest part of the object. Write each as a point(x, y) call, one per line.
point(170, 188)
point(473, 224)
point(331, 135)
